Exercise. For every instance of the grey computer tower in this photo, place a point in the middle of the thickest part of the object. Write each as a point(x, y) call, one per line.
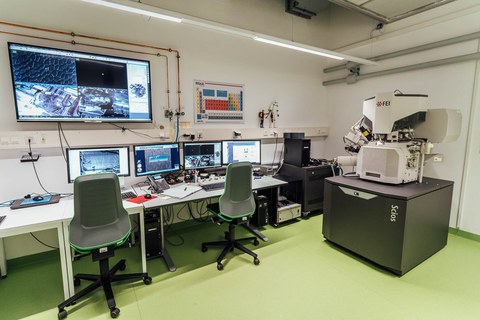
point(394, 226)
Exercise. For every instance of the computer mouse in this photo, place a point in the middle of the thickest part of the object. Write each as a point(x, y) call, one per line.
point(37, 198)
point(148, 196)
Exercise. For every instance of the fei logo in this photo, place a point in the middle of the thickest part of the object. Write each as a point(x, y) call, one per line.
point(393, 213)
point(385, 103)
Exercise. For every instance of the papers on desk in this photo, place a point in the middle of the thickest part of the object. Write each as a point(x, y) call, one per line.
point(181, 191)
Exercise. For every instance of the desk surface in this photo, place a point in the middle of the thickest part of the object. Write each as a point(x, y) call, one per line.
point(257, 184)
point(32, 219)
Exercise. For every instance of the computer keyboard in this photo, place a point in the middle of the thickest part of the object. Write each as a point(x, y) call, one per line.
point(2, 218)
point(128, 195)
point(213, 186)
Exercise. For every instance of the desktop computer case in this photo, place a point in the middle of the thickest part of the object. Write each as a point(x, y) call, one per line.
point(395, 226)
point(297, 152)
point(260, 217)
point(152, 233)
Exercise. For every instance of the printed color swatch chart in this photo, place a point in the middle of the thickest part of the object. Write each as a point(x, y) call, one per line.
point(218, 102)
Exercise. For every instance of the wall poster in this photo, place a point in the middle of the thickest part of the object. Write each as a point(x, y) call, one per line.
point(218, 102)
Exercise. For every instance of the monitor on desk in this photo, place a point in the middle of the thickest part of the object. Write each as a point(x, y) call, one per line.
point(156, 159)
point(202, 155)
point(82, 161)
point(241, 150)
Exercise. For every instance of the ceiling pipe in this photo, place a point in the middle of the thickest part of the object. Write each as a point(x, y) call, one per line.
point(429, 64)
point(432, 45)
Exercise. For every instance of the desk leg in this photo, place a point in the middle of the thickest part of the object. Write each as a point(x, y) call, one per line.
point(3, 260)
point(142, 241)
point(65, 260)
point(255, 231)
point(164, 252)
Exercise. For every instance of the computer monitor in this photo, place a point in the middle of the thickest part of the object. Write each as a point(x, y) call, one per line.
point(241, 150)
point(82, 161)
point(62, 85)
point(155, 159)
point(201, 155)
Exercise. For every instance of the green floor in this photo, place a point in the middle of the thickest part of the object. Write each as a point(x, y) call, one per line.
point(300, 277)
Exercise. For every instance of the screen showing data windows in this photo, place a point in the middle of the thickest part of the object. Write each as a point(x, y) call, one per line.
point(201, 155)
point(82, 161)
point(241, 150)
point(60, 85)
point(156, 158)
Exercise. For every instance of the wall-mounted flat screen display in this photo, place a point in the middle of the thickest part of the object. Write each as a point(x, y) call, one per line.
point(82, 161)
point(59, 85)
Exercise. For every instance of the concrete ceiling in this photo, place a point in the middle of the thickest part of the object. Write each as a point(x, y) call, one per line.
point(390, 10)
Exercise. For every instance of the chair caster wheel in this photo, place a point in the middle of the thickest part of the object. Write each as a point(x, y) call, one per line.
point(62, 314)
point(114, 313)
point(256, 261)
point(255, 242)
point(204, 248)
point(219, 266)
point(227, 235)
point(76, 282)
point(122, 267)
point(147, 280)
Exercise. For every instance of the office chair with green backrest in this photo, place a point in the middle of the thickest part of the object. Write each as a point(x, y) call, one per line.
point(235, 206)
point(99, 225)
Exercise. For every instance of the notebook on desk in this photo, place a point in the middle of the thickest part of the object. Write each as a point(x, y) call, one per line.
point(181, 191)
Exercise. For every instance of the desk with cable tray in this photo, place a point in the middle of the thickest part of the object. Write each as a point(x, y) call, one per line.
point(266, 185)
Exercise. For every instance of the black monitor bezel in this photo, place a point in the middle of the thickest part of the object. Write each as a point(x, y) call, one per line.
point(156, 172)
point(246, 140)
point(67, 151)
point(197, 142)
point(81, 120)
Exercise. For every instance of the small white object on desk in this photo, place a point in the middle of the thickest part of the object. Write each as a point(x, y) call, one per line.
point(181, 191)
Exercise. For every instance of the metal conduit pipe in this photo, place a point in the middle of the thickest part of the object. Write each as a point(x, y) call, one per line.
point(432, 45)
point(429, 64)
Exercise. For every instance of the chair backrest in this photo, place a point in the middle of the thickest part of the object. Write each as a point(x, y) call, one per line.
point(99, 216)
point(237, 199)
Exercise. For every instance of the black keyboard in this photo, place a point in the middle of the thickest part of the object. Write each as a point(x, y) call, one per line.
point(128, 195)
point(213, 186)
point(2, 218)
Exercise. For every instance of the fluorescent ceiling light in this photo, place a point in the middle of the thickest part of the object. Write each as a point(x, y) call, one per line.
point(135, 7)
point(299, 47)
point(143, 9)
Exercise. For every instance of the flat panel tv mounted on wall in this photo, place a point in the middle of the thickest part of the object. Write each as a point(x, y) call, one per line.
point(59, 85)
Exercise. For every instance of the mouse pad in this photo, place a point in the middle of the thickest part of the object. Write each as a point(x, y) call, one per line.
point(140, 199)
point(25, 203)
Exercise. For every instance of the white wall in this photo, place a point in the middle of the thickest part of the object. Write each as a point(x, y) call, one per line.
point(268, 73)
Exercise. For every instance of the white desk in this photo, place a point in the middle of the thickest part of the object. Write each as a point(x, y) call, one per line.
point(55, 216)
point(265, 182)
point(34, 219)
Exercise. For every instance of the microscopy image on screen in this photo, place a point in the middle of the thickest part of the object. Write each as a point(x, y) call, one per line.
point(99, 161)
point(31, 67)
point(47, 100)
point(157, 160)
point(95, 102)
